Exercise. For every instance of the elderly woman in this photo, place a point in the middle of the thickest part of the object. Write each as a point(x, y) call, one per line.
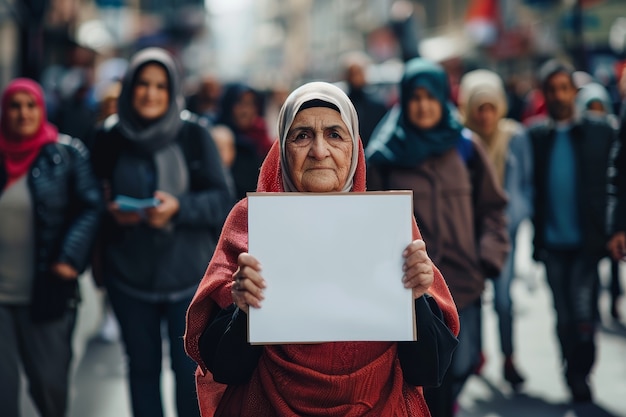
point(318, 128)
point(421, 145)
point(49, 209)
point(482, 102)
point(153, 255)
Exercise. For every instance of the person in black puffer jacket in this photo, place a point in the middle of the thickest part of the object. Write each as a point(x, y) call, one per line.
point(50, 204)
point(153, 258)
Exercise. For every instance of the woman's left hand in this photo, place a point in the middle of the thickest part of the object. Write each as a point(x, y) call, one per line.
point(160, 215)
point(418, 268)
point(64, 271)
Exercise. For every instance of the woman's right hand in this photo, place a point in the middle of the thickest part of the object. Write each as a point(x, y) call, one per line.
point(248, 285)
point(124, 218)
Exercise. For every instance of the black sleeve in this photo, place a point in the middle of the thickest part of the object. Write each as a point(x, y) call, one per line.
point(425, 361)
point(225, 350)
point(87, 206)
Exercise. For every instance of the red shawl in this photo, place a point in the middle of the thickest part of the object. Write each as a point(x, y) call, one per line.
point(17, 154)
point(342, 378)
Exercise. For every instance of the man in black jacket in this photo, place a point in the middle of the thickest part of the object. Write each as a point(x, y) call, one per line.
point(571, 156)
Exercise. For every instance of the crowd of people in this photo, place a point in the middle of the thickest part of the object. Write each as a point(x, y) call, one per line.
point(151, 187)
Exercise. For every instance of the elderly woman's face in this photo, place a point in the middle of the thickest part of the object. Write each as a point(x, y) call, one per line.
point(23, 115)
point(151, 95)
point(423, 109)
point(319, 150)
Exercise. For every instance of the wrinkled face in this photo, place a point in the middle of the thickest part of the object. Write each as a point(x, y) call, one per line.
point(560, 95)
point(319, 151)
point(151, 92)
point(484, 119)
point(23, 115)
point(245, 111)
point(423, 110)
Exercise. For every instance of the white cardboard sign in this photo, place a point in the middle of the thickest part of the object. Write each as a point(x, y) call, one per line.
point(333, 267)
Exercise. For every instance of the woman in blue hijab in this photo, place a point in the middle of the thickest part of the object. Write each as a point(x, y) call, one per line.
point(421, 145)
point(404, 139)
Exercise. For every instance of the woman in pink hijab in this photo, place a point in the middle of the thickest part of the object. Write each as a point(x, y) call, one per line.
point(49, 210)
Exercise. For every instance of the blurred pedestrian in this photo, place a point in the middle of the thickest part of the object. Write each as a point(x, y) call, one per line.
point(458, 203)
point(571, 156)
point(76, 113)
point(107, 104)
point(50, 204)
point(241, 112)
point(513, 86)
point(155, 247)
point(617, 243)
point(205, 102)
point(483, 103)
point(369, 108)
point(318, 128)
point(594, 100)
point(534, 105)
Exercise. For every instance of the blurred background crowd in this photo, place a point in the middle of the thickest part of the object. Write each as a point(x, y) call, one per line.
point(75, 47)
point(239, 59)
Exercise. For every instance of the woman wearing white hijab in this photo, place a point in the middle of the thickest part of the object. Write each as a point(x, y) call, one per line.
point(482, 102)
point(318, 151)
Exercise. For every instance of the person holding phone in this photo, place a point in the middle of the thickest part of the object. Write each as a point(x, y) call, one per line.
point(152, 255)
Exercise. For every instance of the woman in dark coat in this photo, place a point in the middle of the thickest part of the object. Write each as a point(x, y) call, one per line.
point(156, 246)
point(49, 210)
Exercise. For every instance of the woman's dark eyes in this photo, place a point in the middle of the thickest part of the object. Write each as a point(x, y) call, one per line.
point(308, 136)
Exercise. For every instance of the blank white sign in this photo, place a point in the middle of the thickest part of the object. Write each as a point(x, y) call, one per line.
point(333, 267)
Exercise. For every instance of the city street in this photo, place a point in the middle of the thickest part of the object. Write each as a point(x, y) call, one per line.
point(100, 388)
point(545, 393)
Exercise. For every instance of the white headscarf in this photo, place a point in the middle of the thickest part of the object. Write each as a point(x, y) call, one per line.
point(330, 94)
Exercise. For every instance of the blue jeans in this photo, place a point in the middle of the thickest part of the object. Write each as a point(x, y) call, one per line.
point(573, 278)
point(140, 324)
point(502, 301)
